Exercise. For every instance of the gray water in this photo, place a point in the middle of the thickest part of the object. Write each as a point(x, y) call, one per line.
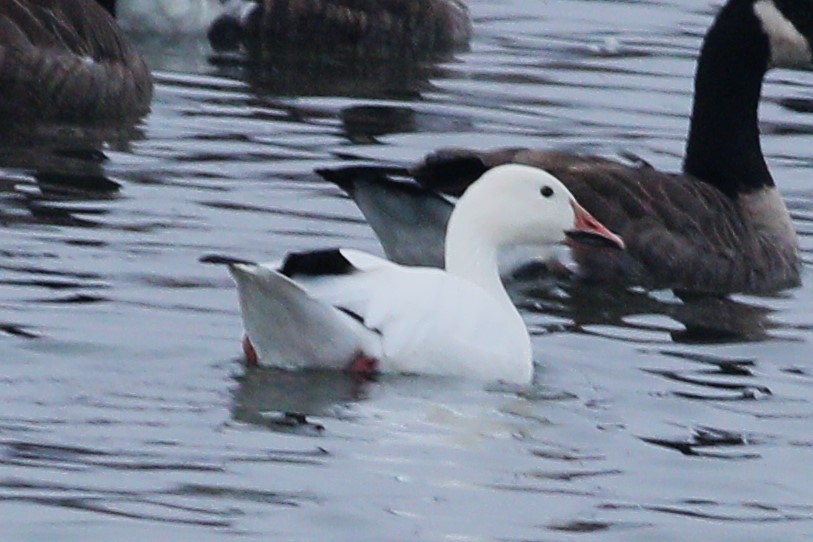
point(127, 415)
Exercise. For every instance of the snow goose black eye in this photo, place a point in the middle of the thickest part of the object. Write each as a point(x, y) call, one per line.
point(546, 191)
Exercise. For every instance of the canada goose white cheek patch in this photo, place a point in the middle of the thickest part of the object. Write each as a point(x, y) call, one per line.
point(788, 46)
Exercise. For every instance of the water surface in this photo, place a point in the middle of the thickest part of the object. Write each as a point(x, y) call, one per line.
point(126, 411)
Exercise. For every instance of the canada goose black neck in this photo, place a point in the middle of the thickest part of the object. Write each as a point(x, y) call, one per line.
point(723, 148)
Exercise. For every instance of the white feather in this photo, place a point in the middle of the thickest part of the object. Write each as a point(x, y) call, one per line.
point(424, 320)
point(788, 46)
point(415, 319)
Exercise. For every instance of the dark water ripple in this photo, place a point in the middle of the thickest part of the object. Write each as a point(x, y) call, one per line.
point(126, 413)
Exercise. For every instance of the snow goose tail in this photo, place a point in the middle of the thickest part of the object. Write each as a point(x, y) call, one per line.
point(289, 325)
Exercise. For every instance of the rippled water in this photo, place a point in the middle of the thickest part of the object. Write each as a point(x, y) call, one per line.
point(127, 414)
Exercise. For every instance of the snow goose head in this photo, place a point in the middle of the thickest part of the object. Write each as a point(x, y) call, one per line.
point(517, 204)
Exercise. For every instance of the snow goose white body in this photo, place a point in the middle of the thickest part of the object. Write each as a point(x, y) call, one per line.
point(345, 309)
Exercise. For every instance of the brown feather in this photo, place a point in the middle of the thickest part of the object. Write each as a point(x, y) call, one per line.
point(409, 26)
point(67, 60)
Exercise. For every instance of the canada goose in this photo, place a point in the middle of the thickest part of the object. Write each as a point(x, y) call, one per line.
point(720, 226)
point(345, 309)
point(67, 60)
point(369, 27)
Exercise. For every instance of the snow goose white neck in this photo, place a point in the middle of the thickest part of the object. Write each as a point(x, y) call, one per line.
point(345, 309)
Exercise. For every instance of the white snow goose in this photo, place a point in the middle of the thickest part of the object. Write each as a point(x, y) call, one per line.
point(67, 60)
point(345, 309)
point(720, 226)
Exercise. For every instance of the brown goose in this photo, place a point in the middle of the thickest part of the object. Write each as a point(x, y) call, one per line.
point(369, 27)
point(720, 226)
point(67, 60)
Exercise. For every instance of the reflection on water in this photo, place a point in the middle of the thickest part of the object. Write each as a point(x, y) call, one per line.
point(704, 319)
point(283, 400)
point(288, 73)
point(127, 412)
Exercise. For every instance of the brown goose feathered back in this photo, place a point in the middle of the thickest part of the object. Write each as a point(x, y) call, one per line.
point(365, 26)
point(67, 60)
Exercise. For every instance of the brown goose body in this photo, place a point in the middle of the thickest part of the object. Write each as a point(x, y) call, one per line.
point(679, 232)
point(67, 60)
point(369, 27)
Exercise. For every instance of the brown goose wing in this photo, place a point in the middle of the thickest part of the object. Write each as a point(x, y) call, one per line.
point(68, 60)
point(680, 233)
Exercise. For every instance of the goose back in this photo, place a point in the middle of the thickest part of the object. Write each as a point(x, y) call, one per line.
point(371, 27)
point(680, 233)
point(67, 60)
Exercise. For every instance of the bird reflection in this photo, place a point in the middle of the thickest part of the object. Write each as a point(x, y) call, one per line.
point(705, 319)
point(274, 76)
point(54, 175)
point(44, 169)
point(292, 72)
point(283, 400)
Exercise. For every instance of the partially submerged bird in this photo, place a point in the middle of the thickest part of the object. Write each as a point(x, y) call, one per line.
point(720, 226)
point(67, 60)
point(367, 27)
point(345, 309)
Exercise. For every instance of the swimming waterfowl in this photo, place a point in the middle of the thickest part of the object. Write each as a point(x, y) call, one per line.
point(369, 27)
point(345, 309)
point(365, 26)
point(67, 60)
point(720, 226)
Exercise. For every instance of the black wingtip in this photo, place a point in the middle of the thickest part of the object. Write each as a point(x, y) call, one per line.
point(222, 260)
point(329, 261)
point(337, 176)
point(450, 171)
point(346, 177)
